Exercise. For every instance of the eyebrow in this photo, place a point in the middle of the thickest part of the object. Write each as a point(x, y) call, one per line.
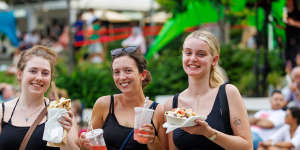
point(38, 68)
point(202, 50)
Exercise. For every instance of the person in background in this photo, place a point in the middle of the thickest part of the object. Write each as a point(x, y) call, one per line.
point(288, 136)
point(294, 89)
point(95, 50)
point(7, 92)
point(266, 122)
point(292, 31)
point(207, 95)
point(78, 30)
point(77, 110)
point(136, 39)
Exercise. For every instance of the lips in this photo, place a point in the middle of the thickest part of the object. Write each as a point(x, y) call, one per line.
point(124, 84)
point(37, 85)
point(192, 66)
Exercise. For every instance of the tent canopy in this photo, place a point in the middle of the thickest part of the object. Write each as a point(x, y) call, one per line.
point(8, 26)
point(132, 5)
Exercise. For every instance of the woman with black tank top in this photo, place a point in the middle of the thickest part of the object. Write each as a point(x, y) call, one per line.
point(115, 114)
point(226, 126)
point(35, 71)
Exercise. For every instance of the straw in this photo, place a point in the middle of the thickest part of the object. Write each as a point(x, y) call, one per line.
point(146, 101)
point(54, 88)
point(90, 126)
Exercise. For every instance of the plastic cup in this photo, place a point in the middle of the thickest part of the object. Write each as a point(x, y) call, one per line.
point(141, 116)
point(95, 138)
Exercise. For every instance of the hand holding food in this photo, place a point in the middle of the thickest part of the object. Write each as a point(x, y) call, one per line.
point(59, 122)
point(177, 116)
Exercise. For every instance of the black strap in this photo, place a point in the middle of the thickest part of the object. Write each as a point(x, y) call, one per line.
point(9, 121)
point(124, 143)
point(153, 106)
point(224, 109)
point(3, 109)
point(111, 106)
point(175, 101)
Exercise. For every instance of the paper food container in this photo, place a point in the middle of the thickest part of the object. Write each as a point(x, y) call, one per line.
point(54, 133)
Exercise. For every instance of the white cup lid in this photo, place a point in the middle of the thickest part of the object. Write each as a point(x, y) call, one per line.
point(94, 133)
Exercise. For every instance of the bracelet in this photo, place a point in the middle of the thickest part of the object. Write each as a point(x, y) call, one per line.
point(213, 137)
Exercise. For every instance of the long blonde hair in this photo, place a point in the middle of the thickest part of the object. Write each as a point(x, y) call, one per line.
point(215, 77)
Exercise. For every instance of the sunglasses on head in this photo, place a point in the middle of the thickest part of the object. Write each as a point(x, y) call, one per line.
point(128, 50)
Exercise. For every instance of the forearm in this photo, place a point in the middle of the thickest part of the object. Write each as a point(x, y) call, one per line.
point(284, 144)
point(156, 145)
point(264, 123)
point(252, 121)
point(297, 24)
point(230, 141)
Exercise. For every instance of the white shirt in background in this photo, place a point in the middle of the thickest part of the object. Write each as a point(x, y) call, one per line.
point(283, 135)
point(277, 117)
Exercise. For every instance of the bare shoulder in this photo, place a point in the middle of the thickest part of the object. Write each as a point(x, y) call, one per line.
point(102, 101)
point(8, 106)
point(168, 105)
point(231, 89)
point(233, 94)
point(234, 98)
point(159, 111)
point(100, 111)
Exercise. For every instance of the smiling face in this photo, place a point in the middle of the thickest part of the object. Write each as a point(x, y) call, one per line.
point(196, 58)
point(36, 76)
point(126, 74)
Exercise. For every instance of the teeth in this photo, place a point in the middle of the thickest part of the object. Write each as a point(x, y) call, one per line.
point(124, 84)
point(193, 66)
point(35, 84)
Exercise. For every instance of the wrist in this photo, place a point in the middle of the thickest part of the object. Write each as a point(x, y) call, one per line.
point(212, 134)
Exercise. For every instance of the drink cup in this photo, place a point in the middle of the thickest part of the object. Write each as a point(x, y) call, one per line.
point(95, 138)
point(141, 116)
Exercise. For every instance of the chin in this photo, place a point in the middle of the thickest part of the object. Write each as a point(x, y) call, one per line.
point(36, 92)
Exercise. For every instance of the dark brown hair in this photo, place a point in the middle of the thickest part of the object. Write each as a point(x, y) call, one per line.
point(295, 111)
point(140, 62)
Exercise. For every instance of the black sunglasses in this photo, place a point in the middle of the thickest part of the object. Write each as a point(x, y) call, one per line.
point(128, 50)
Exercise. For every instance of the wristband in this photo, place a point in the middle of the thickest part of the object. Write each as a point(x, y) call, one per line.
point(213, 137)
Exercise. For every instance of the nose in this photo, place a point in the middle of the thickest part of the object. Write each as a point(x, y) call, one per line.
point(39, 76)
point(193, 57)
point(123, 75)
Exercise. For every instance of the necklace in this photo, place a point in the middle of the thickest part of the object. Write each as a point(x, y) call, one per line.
point(27, 117)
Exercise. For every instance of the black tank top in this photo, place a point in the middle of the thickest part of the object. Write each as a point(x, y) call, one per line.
point(11, 136)
point(216, 119)
point(114, 134)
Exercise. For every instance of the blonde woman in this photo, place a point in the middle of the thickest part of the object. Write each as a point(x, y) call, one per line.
point(226, 126)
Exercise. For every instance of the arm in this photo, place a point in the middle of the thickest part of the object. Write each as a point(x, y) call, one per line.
point(284, 145)
point(162, 141)
point(253, 120)
point(241, 138)
point(261, 122)
point(167, 107)
point(72, 137)
point(264, 123)
point(100, 108)
point(293, 22)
